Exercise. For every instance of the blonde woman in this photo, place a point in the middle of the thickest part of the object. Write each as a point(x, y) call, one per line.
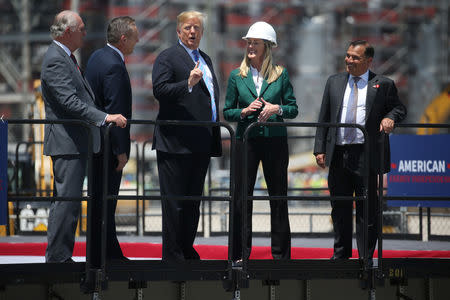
point(260, 91)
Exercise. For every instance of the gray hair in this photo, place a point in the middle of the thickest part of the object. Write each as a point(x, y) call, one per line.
point(119, 26)
point(63, 20)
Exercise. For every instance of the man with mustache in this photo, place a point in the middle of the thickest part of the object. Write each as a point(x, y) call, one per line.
point(357, 96)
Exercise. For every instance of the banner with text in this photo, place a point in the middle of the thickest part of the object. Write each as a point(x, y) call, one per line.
point(3, 170)
point(420, 166)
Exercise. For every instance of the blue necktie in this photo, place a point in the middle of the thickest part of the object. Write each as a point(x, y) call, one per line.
point(208, 82)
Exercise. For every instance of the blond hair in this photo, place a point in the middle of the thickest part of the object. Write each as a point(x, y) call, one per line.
point(269, 70)
point(190, 14)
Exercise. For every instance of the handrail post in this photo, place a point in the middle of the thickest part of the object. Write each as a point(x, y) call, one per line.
point(380, 209)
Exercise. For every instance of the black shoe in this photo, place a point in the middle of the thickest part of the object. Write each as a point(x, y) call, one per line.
point(118, 259)
point(69, 260)
point(339, 258)
point(237, 263)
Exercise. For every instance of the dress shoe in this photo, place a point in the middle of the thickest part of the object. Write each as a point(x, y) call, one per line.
point(117, 259)
point(237, 263)
point(69, 260)
point(339, 258)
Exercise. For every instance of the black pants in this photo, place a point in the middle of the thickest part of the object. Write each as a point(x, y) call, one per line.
point(274, 155)
point(113, 250)
point(346, 179)
point(180, 175)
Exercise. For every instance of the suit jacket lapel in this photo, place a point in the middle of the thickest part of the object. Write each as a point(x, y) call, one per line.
point(72, 65)
point(185, 57)
point(264, 87)
point(189, 62)
point(248, 81)
point(371, 92)
point(88, 87)
point(340, 91)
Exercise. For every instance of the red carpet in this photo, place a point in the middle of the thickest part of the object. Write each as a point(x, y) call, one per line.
point(149, 250)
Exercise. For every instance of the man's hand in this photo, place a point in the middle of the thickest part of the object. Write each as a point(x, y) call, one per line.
point(122, 159)
point(254, 106)
point(120, 120)
point(195, 76)
point(320, 160)
point(268, 110)
point(387, 125)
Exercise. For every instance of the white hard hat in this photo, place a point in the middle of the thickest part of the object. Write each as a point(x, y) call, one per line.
point(262, 30)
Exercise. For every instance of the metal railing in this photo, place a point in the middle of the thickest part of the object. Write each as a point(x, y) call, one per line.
point(234, 275)
point(382, 197)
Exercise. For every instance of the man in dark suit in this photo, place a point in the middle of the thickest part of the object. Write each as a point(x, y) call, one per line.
point(357, 96)
point(67, 95)
point(108, 77)
point(186, 87)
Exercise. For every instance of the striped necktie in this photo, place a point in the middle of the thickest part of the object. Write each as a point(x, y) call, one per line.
point(207, 77)
point(350, 116)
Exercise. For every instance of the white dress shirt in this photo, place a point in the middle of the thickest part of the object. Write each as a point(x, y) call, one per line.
point(257, 79)
point(360, 109)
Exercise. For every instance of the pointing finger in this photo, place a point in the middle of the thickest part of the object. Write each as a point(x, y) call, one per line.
point(196, 65)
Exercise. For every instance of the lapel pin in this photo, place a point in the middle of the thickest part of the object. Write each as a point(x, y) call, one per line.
point(376, 86)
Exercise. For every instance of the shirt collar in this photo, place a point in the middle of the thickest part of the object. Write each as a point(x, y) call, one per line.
point(254, 71)
point(64, 47)
point(187, 49)
point(364, 77)
point(117, 50)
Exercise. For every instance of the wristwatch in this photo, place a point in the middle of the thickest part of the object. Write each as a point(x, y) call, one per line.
point(280, 110)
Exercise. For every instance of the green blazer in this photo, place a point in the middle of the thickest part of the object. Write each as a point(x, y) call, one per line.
point(241, 92)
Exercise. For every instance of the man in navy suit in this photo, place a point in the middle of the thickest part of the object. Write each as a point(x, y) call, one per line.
point(67, 95)
point(186, 87)
point(108, 77)
point(357, 96)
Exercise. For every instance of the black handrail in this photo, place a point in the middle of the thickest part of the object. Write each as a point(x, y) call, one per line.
point(232, 178)
point(162, 198)
point(364, 198)
point(87, 126)
point(382, 198)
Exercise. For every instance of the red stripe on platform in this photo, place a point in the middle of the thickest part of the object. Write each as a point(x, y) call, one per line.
point(150, 250)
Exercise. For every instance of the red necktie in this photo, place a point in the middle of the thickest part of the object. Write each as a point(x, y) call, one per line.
point(76, 63)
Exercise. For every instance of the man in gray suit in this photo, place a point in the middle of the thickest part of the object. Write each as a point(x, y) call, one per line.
point(67, 95)
point(357, 96)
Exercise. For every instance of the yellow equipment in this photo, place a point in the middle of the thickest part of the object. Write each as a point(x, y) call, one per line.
point(437, 112)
